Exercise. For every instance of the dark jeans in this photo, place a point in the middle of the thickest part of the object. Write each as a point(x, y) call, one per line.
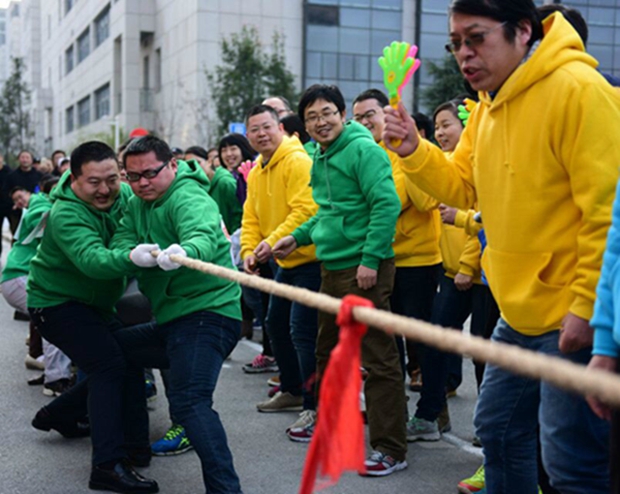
point(258, 303)
point(113, 389)
point(194, 347)
point(384, 388)
point(452, 307)
point(293, 330)
point(413, 296)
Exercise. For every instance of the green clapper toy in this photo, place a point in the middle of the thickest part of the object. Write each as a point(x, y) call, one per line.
point(399, 64)
point(465, 110)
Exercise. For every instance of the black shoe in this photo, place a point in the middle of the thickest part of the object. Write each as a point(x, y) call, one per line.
point(139, 457)
point(37, 381)
point(43, 421)
point(20, 316)
point(121, 478)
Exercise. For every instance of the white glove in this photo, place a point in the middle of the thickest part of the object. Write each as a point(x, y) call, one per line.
point(164, 261)
point(141, 255)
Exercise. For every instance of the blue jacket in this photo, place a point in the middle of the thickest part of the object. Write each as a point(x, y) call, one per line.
point(605, 321)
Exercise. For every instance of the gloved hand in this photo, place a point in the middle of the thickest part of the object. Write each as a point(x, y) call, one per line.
point(164, 261)
point(141, 255)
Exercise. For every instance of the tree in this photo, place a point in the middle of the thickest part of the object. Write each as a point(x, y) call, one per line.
point(15, 122)
point(447, 82)
point(247, 75)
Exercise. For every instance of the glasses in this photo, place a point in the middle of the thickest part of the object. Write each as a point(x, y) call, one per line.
point(471, 41)
point(326, 115)
point(148, 174)
point(366, 116)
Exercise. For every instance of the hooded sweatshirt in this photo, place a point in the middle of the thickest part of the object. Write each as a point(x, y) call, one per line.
point(279, 200)
point(70, 264)
point(223, 190)
point(545, 191)
point(20, 255)
point(358, 205)
point(186, 215)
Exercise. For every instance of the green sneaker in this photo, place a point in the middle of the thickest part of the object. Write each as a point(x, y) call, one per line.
point(174, 442)
point(422, 430)
point(474, 484)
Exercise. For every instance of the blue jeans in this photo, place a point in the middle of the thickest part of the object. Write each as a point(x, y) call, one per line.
point(506, 418)
point(575, 442)
point(194, 347)
point(293, 330)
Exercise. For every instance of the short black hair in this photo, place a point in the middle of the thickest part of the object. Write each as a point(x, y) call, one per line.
point(145, 145)
point(198, 151)
point(239, 140)
point(56, 152)
point(423, 122)
point(316, 92)
point(509, 12)
point(258, 109)
point(46, 184)
point(292, 123)
point(90, 151)
point(17, 189)
point(373, 93)
point(571, 15)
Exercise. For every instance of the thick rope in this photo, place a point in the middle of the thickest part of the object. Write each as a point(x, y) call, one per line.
point(559, 372)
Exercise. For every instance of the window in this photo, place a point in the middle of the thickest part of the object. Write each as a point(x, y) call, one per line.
point(319, 15)
point(102, 26)
point(146, 73)
point(84, 111)
point(83, 45)
point(69, 62)
point(102, 101)
point(158, 69)
point(69, 5)
point(69, 122)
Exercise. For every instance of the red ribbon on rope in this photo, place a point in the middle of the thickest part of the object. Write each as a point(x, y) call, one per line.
point(338, 440)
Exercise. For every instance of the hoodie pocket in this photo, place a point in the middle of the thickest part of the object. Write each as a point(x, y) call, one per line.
point(526, 299)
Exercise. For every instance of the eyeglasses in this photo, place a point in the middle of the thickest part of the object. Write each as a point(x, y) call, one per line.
point(326, 115)
point(471, 41)
point(148, 174)
point(366, 116)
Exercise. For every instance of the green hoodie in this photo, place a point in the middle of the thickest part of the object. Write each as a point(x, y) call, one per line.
point(223, 190)
point(358, 205)
point(188, 216)
point(20, 255)
point(70, 262)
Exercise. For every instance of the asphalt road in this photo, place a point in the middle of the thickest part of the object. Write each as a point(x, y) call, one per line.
point(35, 462)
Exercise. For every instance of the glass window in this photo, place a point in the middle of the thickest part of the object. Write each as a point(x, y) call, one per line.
point(346, 67)
point(322, 38)
point(362, 63)
point(392, 4)
point(323, 2)
point(432, 46)
point(602, 17)
point(69, 59)
point(354, 17)
point(384, 19)
point(435, 23)
point(84, 111)
point(355, 3)
point(600, 34)
point(69, 5)
point(354, 40)
point(603, 53)
point(83, 45)
point(381, 39)
point(329, 66)
point(102, 101)
point(313, 64)
point(322, 15)
point(69, 122)
point(102, 26)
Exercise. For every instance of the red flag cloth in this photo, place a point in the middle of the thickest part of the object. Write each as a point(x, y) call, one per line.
point(338, 440)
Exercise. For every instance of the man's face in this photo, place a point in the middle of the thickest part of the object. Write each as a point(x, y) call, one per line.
point(56, 157)
point(150, 189)
point(265, 134)
point(370, 114)
point(25, 161)
point(21, 199)
point(99, 183)
point(324, 122)
point(278, 105)
point(490, 58)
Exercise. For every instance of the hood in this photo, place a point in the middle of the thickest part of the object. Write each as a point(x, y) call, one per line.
point(560, 45)
point(287, 146)
point(352, 131)
point(220, 173)
point(187, 171)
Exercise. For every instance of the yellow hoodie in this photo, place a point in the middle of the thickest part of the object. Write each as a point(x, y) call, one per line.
point(541, 161)
point(460, 252)
point(416, 242)
point(279, 200)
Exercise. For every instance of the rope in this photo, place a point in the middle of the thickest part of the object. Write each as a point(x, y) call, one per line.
point(526, 363)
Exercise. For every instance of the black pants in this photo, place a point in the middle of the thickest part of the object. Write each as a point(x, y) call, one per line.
point(114, 390)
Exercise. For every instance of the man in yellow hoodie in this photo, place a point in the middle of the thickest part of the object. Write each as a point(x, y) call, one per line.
point(279, 200)
point(545, 192)
point(416, 242)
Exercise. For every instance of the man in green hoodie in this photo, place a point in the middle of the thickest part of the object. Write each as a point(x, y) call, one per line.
point(198, 316)
point(71, 297)
point(352, 183)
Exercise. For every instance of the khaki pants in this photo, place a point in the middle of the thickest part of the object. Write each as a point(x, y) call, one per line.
point(384, 387)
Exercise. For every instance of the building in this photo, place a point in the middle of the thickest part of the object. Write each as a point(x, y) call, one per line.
point(97, 64)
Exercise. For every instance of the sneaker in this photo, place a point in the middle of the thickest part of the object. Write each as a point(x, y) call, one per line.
point(261, 363)
point(33, 363)
point(151, 390)
point(303, 428)
point(273, 391)
point(281, 402)
point(174, 442)
point(422, 430)
point(37, 381)
point(379, 464)
point(473, 484)
point(56, 388)
point(415, 384)
point(274, 381)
